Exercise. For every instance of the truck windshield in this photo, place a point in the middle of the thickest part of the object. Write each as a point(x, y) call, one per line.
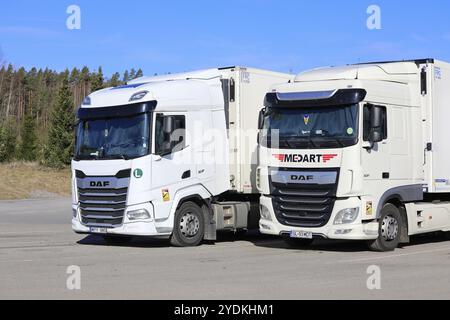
point(116, 138)
point(311, 128)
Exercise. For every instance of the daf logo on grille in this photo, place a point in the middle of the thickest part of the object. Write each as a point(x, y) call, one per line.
point(99, 184)
point(103, 183)
point(302, 178)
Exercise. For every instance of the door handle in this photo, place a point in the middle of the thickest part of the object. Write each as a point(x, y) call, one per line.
point(186, 174)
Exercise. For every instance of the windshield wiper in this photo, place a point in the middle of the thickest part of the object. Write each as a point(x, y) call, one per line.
point(117, 156)
point(309, 139)
point(339, 141)
point(296, 139)
point(84, 157)
point(286, 142)
point(96, 157)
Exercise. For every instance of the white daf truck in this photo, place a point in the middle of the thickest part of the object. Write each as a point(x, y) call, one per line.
point(360, 152)
point(170, 156)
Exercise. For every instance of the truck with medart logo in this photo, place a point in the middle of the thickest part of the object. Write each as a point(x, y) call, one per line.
point(358, 152)
point(170, 156)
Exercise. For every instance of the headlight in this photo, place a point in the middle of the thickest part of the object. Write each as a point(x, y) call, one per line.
point(140, 214)
point(138, 95)
point(346, 216)
point(87, 101)
point(265, 213)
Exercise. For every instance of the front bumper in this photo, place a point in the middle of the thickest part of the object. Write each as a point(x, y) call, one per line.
point(353, 231)
point(148, 228)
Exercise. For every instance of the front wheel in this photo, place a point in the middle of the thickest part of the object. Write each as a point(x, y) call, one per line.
point(389, 230)
point(189, 227)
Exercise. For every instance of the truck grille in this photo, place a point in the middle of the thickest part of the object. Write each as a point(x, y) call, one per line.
point(103, 199)
point(303, 205)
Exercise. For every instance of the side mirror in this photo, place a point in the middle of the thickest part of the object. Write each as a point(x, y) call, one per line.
point(376, 135)
point(261, 118)
point(376, 117)
point(376, 124)
point(166, 148)
point(167, 129)
point(168, 125)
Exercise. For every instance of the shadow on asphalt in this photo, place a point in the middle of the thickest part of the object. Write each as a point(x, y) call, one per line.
point(222, 237)
point(137, 242)
point(323, 245)
point(266, 241)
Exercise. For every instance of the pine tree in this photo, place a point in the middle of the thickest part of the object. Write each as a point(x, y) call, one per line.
point(115, 80)
point(74, 76)
point(37, 90)
point(97, 80)
point(139, 73)
point(132, 74)
point(7, 142)
point(27, 148)
point(126, 76)
point(58, 152)
point(85, 79)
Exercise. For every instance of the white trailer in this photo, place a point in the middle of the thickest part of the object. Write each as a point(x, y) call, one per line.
point(361, 152)
point(167, 156)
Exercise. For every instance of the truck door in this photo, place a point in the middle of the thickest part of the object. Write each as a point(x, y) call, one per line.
point(376, 165)
point(171, 166)
point(401, 163)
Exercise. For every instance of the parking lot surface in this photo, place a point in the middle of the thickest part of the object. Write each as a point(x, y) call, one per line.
point(37, 246)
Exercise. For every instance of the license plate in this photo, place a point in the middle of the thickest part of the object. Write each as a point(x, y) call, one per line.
point(98, 230)
point(301, 234)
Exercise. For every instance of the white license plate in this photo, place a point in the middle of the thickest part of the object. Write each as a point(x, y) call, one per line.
point(301, 234)
point(98, 230)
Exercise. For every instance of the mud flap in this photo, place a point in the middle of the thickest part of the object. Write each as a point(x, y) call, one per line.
point(404, 237)
point(210, 223)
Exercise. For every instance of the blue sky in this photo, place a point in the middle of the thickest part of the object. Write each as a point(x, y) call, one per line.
point(172, 36)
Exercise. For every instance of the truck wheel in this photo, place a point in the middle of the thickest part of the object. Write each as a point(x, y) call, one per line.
point(189, 226)
point(298, 243)
point(117, 240)
point(389, 230)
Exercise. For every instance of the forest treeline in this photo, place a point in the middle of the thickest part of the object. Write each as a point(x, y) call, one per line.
point(37, 110)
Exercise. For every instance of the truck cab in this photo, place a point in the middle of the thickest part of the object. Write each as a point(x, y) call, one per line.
point(152, 157)
point(345, 154)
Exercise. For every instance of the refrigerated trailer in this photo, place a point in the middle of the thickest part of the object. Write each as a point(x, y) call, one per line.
point(170, 156)
point(359, 152)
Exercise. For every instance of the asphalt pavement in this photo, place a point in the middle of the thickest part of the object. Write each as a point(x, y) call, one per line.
point(41, 258)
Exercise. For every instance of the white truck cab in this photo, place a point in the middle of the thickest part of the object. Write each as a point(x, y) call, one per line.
point(358, 152)
point(161, 156)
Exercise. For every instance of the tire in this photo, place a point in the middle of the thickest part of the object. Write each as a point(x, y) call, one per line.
point(298, 243)
point(389, 230)
point(117, 240)
point(189, 226)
